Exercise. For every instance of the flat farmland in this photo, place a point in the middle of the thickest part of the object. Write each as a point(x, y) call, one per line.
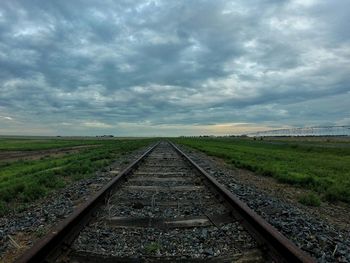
point(32, 168)
point(319, 164)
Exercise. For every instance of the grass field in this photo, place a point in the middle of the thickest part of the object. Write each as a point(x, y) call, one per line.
point(42, 144)
point(322, 166)
point(24, 181)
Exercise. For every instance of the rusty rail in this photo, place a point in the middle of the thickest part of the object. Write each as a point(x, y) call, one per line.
point(279, 247)
point(64, 232)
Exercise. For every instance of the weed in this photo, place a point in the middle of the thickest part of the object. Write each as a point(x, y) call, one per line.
point(3, 208)
point(310, 200)
point(40, 232)
point(152, 248)
point(338, 192)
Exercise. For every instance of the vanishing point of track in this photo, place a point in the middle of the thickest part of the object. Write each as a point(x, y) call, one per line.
point(164, 208)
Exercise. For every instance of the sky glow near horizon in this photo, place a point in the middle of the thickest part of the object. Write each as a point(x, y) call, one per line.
point(165, 68)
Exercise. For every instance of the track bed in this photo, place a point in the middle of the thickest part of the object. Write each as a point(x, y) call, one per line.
point(164, 211)
point(164, 208)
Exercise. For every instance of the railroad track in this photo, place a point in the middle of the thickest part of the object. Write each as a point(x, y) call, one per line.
point(164, 208)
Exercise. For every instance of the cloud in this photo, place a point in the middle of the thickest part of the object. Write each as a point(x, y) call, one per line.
point(96, 124)
point(6, 118)
point(166, 64)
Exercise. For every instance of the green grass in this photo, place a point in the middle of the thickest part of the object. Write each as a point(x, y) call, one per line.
point(325, 170)
point(22, 182)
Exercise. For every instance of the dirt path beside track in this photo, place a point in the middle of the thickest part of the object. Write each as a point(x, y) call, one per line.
point(12, 156)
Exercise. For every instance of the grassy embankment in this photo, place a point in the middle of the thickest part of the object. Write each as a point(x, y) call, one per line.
point(24, 181)
point(321, 166)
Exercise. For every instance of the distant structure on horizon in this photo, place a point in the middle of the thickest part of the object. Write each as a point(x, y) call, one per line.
point(306, 131)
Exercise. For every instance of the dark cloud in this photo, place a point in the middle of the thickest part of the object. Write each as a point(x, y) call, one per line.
point(90, 66)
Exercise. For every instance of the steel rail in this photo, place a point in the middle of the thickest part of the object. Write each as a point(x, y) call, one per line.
point(65, 231)
point(278, 246)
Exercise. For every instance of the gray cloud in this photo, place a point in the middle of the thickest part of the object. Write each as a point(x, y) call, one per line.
point(92, 66)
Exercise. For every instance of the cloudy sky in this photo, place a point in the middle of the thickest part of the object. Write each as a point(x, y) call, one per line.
point(172, 67)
